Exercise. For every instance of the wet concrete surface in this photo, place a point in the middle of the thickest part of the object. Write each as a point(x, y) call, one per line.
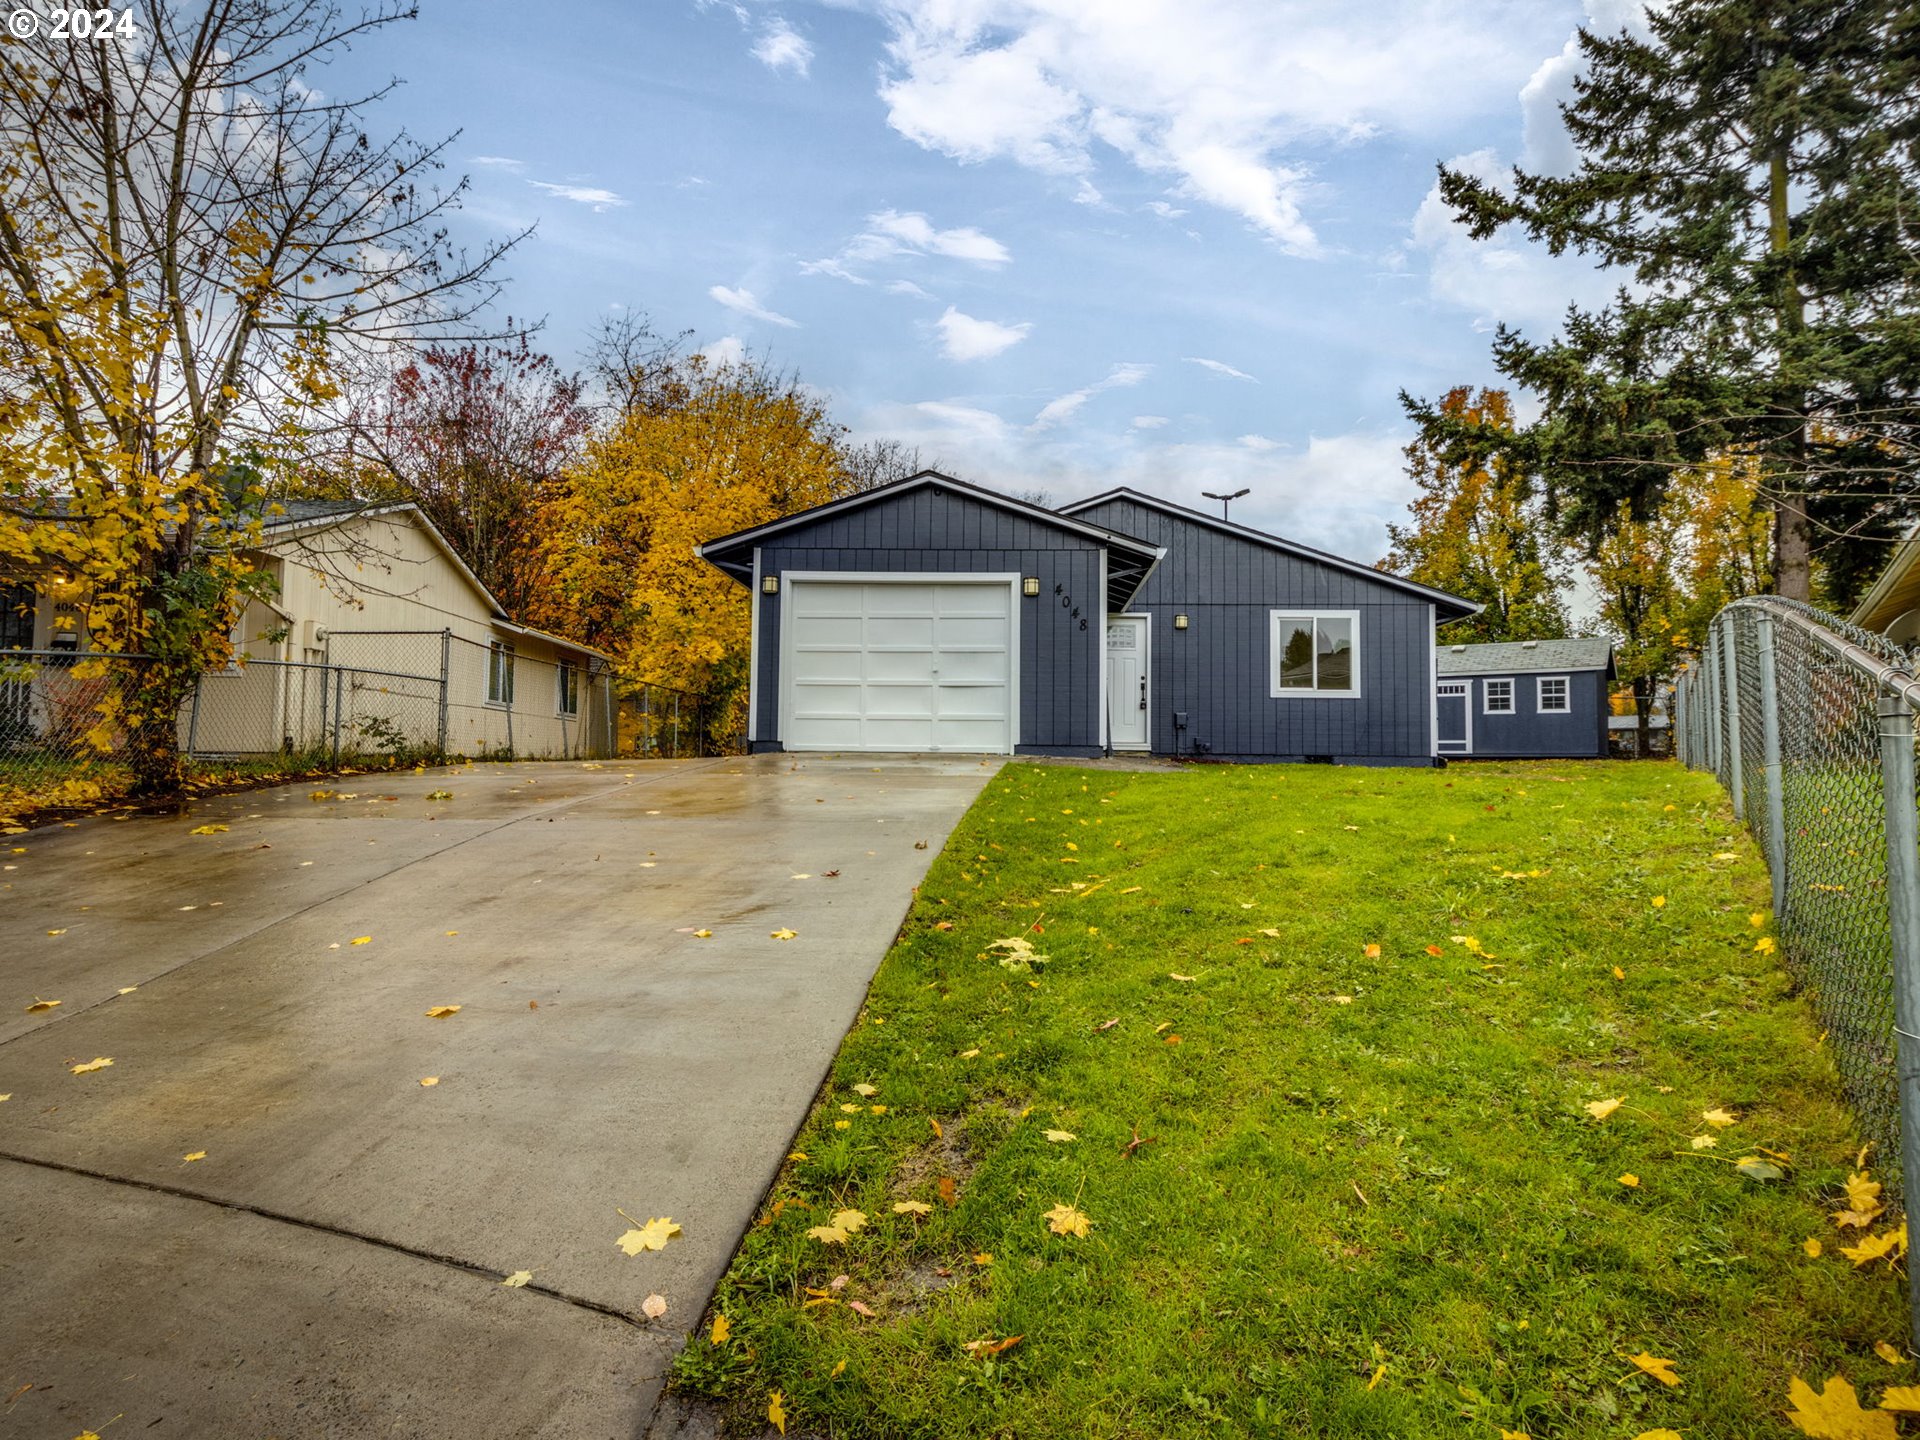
point(604, 1058)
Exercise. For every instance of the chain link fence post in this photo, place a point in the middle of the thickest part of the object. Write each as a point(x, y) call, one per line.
point(446, 671)
point(1903, 906)
point(1730, 677)
point(339, 688)
point(1777, 841)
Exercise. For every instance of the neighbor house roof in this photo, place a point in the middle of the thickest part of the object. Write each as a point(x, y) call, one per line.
point(1129, 561)
point(1446, 606)
point(1896, 591)
point(1525, 657)
point(303, 516)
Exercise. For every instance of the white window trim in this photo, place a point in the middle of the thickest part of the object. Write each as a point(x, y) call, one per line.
point(502, 647)
point(1273, 654)
point(1540, 695)
point(1486, 697)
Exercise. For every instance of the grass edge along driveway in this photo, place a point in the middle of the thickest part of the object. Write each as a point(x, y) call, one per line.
point(1368, 1027)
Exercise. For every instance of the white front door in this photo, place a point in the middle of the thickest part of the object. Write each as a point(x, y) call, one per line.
point(1454, 716)
point(923, 662)
point(1127, 714)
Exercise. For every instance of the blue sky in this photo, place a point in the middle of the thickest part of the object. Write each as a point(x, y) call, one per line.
point(1183, 245)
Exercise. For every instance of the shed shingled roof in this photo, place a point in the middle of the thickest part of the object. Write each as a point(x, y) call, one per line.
point(1526, 657)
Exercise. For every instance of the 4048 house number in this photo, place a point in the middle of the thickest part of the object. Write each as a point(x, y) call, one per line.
point(1066, 603)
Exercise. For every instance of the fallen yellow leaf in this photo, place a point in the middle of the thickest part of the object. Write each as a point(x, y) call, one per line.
point(90, 1066)
point(838, 1367)
point(429, 1079)
point(867, 1090)
point(1704, 1142)
point(1065, 1220)
point(654, 1235)
point(1887, 1353)
point(1061, 1137)
point(1813, 1248)
point(1903, 1399)
point(517, 1279)
point(1877, 1247)
point(1661, 1370)
point(782, 935)
point(363, 940)
point(1765, 945)
point(1659, 902)
point(207, 830)
point(1834, 1413)
point(193, 1155)
point(1372, 952)
point(1718, 1118)
point(42, 1005)
point(1601, 1109)
point(777, 1412)
point(440, 1012)
point(1618, 973)
point(1631, 1181)
point(1757, 919)
point(722, 1327)
point(912, 1207)
point(703, 934)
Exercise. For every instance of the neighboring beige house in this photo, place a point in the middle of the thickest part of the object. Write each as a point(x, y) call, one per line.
point(377, 637)
point(1892, 607)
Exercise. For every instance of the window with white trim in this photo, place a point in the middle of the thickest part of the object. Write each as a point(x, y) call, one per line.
point(1497, 696)
point(499, 673)
point(1315, 653)
point(569, 698)
point(1554, 697)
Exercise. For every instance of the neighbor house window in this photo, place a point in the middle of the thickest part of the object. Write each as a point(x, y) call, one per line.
point(1553, 695)
point(1316, 652)
point(569, 689)
point(1499, 695)
point(499, 674)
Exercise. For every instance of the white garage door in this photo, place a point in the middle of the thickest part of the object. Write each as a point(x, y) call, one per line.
point(910, 664)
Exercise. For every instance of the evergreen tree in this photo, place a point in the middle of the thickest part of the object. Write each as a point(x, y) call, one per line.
point(1753, 164)
point(1476, 533)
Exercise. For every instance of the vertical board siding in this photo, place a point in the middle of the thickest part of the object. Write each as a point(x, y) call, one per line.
point(1218, 670)
point(1527, 734)
point(938, 531)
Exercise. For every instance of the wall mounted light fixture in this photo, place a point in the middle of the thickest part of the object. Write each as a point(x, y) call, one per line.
point(1179, 622)
point(1030, 585)
point(769, 584)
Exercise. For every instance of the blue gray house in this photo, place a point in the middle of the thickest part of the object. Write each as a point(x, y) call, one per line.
point(932, 615)
point(1545, 699)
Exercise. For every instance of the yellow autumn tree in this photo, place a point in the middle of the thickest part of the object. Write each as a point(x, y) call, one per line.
point(710, 450)
point(188, 232)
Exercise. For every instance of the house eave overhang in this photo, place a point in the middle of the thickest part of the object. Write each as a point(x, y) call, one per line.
point(1447, 607)
point(1129, 561)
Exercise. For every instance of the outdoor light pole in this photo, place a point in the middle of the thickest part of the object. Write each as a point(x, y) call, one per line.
point(1225, 500)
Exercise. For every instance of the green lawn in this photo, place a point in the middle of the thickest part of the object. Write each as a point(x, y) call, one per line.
point(1374, 1204)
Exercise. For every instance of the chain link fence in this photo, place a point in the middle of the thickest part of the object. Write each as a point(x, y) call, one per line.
point(374, 697)
point(1809, 724)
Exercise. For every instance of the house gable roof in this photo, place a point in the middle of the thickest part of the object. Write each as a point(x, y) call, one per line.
point(1446, 606)
point(301, 517)
point(1129, 561)
point(1527, 657)
point(1896, 591)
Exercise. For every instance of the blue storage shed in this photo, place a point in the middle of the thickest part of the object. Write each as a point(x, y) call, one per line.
point(933, 615)
point(1543, 699)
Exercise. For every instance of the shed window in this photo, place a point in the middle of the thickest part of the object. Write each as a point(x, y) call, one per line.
point(499, 674)
point(1499, 695)
point(1316, 653)
point(569, 699)
point(1553, 695)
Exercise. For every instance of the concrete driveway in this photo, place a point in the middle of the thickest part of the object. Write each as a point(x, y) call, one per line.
point(333, 1265)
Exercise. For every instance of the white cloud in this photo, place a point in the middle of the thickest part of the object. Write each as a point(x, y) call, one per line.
point(1164, 210)
point(1505, 277)
point(1149, 422)
point(907, 287)
point(1223, 96)
point(781, 47)
point(1259, 442)
point(499, 162)
point(744, 302)
point(890, 235)
point(963, 337)
point(1219, 367)
point(1066, 406)
point(727, 350)
point(588, 195)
